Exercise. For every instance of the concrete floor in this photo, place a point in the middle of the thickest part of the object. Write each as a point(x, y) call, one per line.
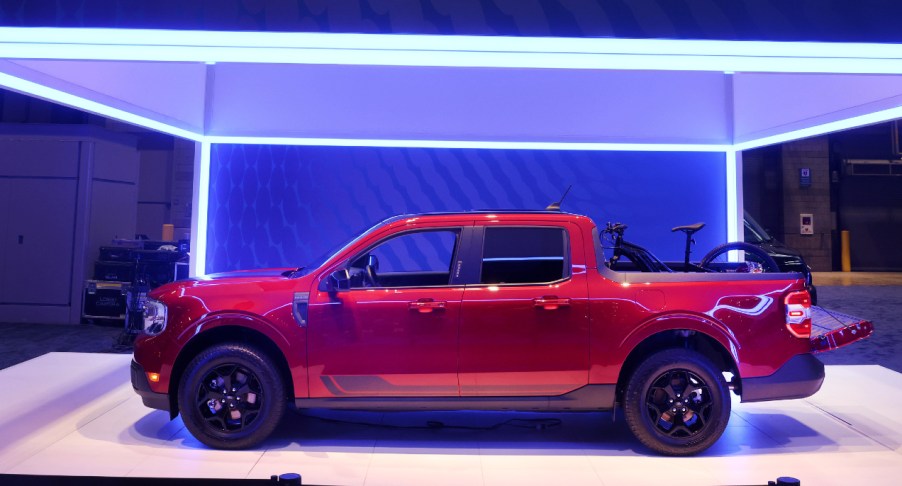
point(856, 279)
point(22, 341)
point(872, 296)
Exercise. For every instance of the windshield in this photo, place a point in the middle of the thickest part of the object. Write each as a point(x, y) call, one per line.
point(754, 233)
point(317, 262)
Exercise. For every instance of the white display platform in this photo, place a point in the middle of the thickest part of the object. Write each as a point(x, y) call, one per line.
point(76, 414)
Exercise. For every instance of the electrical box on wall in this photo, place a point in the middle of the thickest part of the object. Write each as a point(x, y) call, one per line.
point(805, 177)
point(806, 223)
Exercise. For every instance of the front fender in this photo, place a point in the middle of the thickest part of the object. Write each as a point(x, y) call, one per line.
point(288, 339)
point(236, 318)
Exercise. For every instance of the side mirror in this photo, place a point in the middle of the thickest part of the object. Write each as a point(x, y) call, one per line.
point(337, 281)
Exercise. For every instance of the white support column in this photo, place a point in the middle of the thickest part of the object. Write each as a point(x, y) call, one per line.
point(199, 207)
point(735, 228)
point(82, 259)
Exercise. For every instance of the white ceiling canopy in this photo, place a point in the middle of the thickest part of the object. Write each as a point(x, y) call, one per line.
point(457, 91)
point(252, 87)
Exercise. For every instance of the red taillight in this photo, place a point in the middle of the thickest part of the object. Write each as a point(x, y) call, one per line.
point(798, 314)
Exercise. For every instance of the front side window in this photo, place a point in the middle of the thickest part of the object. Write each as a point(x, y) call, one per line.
point(516, 255)
point(416, 259)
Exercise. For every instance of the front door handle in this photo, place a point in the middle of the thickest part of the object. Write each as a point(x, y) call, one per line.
point(551, 302)
point(425, 306)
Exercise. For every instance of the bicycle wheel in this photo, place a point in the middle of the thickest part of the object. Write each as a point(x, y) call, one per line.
point(749, 259)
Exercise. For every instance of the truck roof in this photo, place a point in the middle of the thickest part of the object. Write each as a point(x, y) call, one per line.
point(539, 214)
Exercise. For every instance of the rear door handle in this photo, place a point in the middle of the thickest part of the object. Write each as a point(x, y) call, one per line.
point(425, 306)
point(551, 302)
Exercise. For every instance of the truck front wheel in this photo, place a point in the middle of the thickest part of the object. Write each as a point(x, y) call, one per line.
point(677, 402)
point(231, 396)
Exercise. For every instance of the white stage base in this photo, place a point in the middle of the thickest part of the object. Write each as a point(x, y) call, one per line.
point(76, 414)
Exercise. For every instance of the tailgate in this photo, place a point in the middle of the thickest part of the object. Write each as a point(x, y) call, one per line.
point(831, 329)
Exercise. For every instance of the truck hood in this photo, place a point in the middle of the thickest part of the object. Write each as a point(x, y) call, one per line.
point(257, 274)
point(240, 278)
point(236, 281)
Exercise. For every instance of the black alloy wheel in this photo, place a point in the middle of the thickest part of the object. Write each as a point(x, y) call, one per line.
point(677, 402)
point(231, 396)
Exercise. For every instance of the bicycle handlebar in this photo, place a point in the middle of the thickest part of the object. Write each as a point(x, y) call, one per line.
point(615, 228)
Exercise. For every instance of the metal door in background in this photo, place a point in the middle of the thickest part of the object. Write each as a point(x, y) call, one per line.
point(870, 208)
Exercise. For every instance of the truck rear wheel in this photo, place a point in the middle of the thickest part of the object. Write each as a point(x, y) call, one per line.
point(677, 402)
point(231, 396)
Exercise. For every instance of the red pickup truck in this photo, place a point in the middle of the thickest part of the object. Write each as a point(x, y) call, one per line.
point(476, 310)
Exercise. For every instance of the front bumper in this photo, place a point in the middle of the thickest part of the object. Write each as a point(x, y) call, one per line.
point(151, 399)
point(801, 376)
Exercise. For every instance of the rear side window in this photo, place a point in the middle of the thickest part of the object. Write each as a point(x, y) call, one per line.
point(524, 255)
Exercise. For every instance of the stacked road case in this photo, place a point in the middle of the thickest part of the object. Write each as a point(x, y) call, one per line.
point(129, 266)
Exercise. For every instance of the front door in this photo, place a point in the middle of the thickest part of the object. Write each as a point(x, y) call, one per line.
point(525, 326)
point(394, 333)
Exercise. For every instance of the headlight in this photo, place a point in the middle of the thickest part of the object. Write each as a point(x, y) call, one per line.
point(154, 317)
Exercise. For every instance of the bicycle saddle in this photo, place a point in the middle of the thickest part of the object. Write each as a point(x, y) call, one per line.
point(690, 228)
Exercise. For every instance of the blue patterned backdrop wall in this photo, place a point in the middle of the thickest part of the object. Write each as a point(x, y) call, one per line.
point(811, 20)
point(274, 206)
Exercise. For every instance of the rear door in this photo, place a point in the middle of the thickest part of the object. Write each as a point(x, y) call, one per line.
point(524, 325)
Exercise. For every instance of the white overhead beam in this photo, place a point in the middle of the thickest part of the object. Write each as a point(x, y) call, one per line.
point(456, 51)
point(821, 129)
point(64, 98)
point(469, 144)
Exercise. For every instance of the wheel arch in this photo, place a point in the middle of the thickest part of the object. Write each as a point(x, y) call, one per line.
point(227, 331)
point(691, 332)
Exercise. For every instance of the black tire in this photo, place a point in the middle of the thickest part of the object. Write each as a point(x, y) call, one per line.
point(245, 410)
point(700, 417)
point(714, 260)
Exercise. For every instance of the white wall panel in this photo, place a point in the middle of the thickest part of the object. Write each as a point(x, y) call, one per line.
point(154, 187)
point(150, 220)
point(773, 103)
point(50, 177)
point(443, 103)
point(37, 244)
point(155, 179)
point(35, 314)
point(38, 158)
point(113, 213)
point(116, 161)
